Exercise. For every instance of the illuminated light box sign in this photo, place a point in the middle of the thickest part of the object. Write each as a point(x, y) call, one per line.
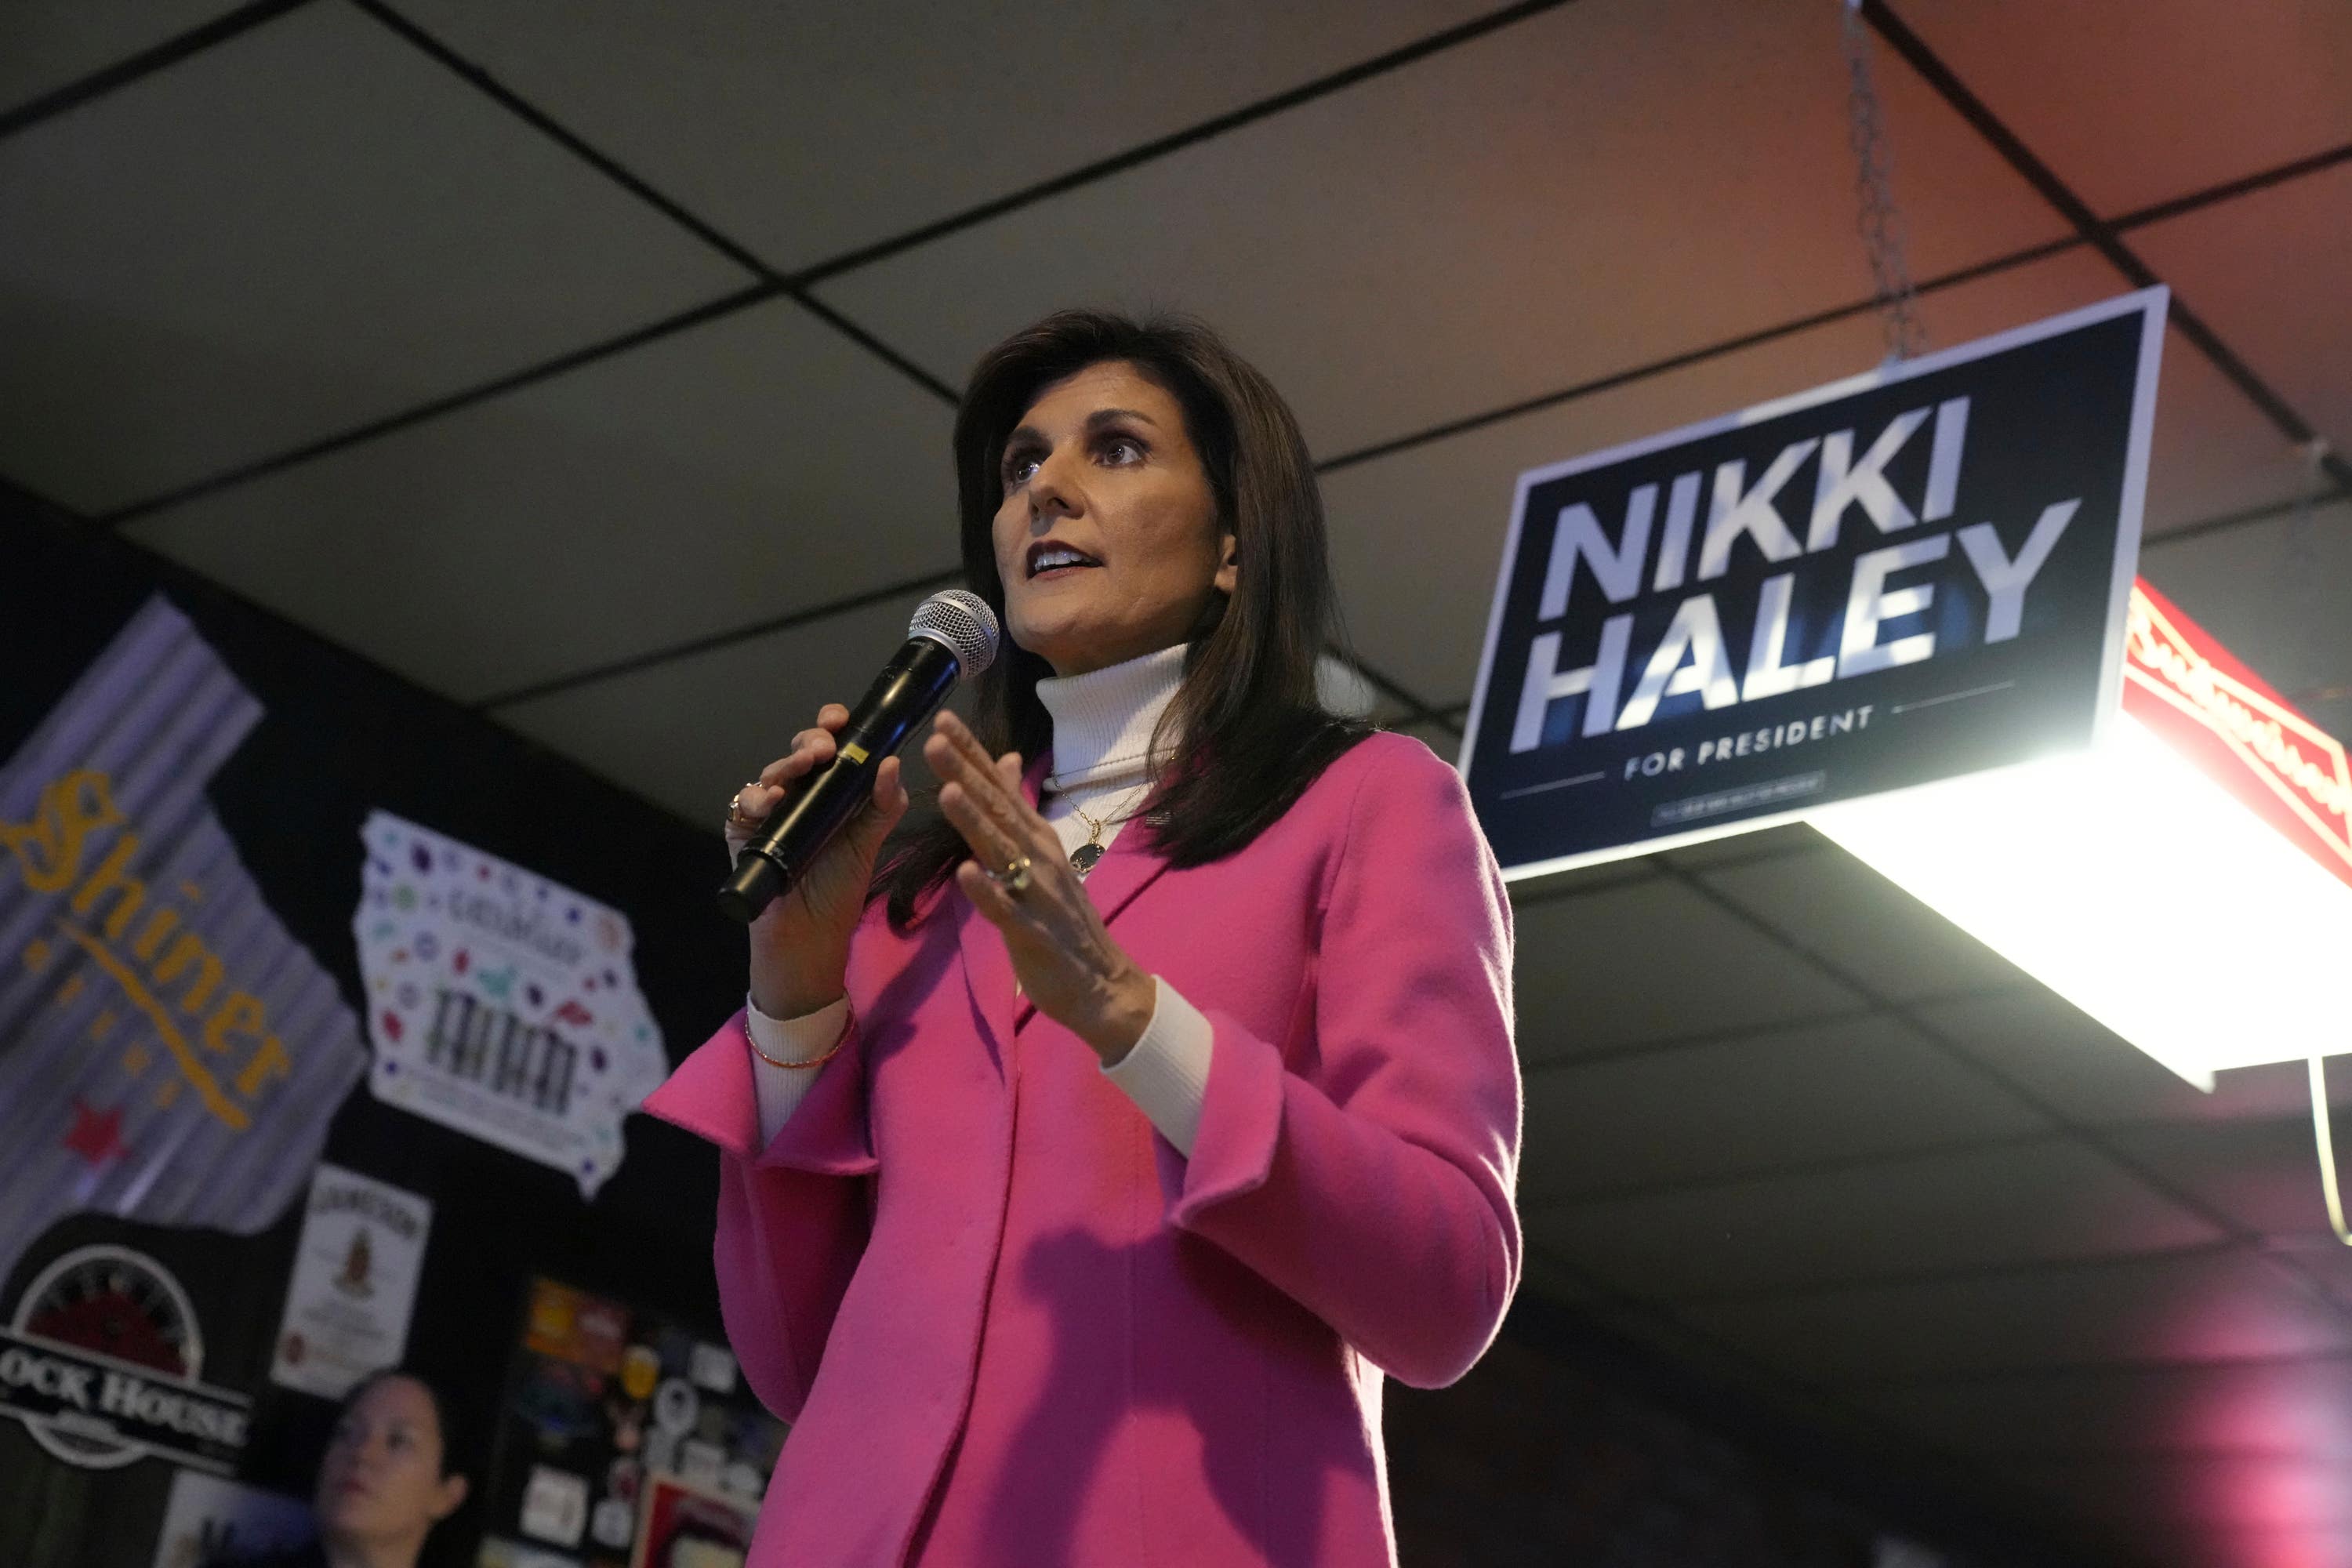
point(2225, 719)
point(2186, 881)
point(1912, 574)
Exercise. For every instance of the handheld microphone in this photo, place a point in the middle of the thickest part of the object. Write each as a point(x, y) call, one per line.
point(952, 638)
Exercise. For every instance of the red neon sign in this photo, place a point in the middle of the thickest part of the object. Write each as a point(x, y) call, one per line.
point(2223, 717)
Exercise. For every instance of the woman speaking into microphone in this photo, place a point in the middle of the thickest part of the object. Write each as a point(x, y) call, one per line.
point(1092, 1147)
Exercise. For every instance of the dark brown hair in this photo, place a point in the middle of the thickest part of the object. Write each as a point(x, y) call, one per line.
point(1251, 732)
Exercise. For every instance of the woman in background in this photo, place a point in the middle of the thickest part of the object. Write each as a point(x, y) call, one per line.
point(384, 1480)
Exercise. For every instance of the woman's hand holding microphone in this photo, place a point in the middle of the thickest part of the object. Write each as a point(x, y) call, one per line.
point(800, 944)
point(1018, 878)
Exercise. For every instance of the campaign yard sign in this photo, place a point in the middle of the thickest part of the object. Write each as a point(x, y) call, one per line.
point(1914, 573)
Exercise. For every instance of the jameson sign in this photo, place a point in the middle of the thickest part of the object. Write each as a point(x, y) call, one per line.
point(354, 1284)
point(1918, 573)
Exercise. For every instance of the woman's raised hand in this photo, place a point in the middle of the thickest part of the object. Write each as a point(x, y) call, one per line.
point(1062, 952)
point(800, 944)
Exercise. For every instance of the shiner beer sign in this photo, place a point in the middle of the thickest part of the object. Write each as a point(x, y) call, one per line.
point(1914, 574)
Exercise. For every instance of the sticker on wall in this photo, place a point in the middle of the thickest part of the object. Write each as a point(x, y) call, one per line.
point(499, 1003)
point(602, 1390)
point(354, 1283)
point(691, 1522)
point(555, 1506)
point(172, 1054)
point(101, 1362)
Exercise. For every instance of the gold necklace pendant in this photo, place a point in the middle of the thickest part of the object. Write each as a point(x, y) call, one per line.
point(1086, 856)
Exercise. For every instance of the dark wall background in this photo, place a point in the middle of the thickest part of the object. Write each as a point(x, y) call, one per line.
point(340, 737)
point(1564, 1446)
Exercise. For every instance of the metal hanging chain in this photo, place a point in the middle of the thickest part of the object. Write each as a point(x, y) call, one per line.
point(1880, 223)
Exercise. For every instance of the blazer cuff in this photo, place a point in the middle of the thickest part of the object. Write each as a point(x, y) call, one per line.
point(1241, 1121)
point(1166, 1072)
point(711, 1093)
point(714, 1096)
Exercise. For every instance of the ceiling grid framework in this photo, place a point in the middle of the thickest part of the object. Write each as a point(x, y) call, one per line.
point(768, 288)
point(632, 466)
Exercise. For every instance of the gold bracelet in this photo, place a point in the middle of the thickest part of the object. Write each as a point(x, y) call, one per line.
point(830, 1052)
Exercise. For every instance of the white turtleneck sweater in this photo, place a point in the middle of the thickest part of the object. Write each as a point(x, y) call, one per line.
point(1103, 726)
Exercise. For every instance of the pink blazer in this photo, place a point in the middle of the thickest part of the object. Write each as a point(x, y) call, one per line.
point(1012, 1324)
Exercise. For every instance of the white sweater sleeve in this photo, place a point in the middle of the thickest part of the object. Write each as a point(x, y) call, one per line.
point(1166, 1072)
point(781, 1089)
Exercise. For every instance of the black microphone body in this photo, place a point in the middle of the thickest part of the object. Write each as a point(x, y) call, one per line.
point(815, 807)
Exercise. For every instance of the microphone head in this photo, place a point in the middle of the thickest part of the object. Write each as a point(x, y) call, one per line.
point(962, 624)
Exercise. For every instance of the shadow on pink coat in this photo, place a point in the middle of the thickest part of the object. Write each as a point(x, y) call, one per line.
point(1012, 1324)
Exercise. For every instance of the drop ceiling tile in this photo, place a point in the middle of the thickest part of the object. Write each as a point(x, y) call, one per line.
point(47, 44)
point(2253, 1492)
point(807, 132)
point(1417, 536)
point(2274, 594)
point(2317, 1258)
point(2044, 1045)
point(2190, 1545)
point(1557, 1281)
point(307, 226)
point(1628, 1343)
point(2268, 273)
point(2214, 453)
point(2136, 104)
point(685, 733)
point(1529, 892)
point(1594, 189)
point(1986, 1208)
point(2293, 1406)
point(2260, 1174)
point(1864, 926)
point(1651, 960)
point(1345, 686)
point(752, 467)
point(1444, 741)
point(1757, 1104)
point(2177, 1307)
point(1737, 849)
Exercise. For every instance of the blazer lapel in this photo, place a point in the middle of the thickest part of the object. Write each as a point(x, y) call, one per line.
point(988, 974)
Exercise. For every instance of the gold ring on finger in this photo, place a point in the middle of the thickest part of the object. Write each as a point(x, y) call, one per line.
point(1014, 878)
